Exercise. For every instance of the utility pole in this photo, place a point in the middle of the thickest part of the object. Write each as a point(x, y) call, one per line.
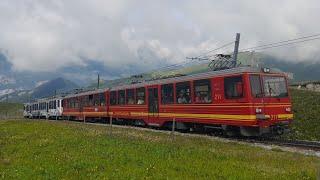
point(236, 49)
point(98, 85)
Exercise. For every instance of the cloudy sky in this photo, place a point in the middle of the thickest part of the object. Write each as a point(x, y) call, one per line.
point(45, 35)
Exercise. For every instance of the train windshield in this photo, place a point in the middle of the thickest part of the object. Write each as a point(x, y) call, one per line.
point(275, 86)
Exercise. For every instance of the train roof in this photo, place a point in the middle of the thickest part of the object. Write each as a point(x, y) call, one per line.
point(237, 70)
point(87, 93)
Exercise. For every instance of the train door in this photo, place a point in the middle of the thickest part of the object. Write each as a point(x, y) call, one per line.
point(153, 106)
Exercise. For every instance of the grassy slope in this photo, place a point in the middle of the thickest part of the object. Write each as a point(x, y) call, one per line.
point(306, 107)
point(41, 149)
point(12, 109)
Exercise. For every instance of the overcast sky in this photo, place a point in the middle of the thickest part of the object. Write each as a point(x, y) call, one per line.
point(45, 35)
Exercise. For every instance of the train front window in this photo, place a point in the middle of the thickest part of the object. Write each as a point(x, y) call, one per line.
point(275, 86)
point(255, 83)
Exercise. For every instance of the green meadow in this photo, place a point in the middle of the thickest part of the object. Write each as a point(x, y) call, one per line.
point(39, 149)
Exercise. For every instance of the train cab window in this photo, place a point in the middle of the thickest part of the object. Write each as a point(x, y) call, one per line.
point(130, 96)
point(121, 97)
point(167, 94)
point(113, 98)
point(102, 99)
point(202, 91)
point(255, 83)
point(233, 87)
point(141, 95)
point(183, 93)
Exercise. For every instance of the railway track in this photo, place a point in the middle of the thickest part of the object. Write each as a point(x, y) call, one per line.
point(308, 145)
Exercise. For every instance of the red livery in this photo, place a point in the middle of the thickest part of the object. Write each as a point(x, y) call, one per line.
point(244, 100)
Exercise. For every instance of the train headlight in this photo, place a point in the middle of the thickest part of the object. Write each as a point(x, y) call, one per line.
point(266, 70)
point(288, 109)
point(258, 110)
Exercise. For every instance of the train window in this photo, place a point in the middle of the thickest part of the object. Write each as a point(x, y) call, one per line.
point(113, 97)
point(255, 83)
point(167, 94)
point(275, 86)
point(141, 95)
point(85, 101)
point(130, 96)
point(76, 103)
point(183, 93)
point(96, 100)
point(91, 100)
point(102, 99)
point(121, 97)
point(202, 91)
point(233, 87)
point(70, 103)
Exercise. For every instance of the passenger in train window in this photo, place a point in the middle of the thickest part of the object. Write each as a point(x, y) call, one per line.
point(202, 91)
point(140, 100)
point(182, 98)
point(207, 98)
point(140, 96)
point(183, 93)
point(130, 96)
point(198, 98)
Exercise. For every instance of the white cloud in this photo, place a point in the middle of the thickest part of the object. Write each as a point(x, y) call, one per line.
point(44, 35)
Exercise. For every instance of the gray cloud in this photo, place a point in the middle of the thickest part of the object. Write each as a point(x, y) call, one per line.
point(45, 35)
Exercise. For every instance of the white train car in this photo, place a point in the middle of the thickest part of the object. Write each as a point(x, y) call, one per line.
point(34, 112)
point(46, 108)
point(43, 109)
point(55, 108)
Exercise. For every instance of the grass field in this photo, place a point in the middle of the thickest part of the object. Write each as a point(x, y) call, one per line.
point(306, 107)
point(33, 149)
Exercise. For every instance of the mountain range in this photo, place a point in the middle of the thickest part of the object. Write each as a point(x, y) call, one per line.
point(23, 85)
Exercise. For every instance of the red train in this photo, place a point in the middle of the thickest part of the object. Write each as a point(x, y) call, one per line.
point(244, 100)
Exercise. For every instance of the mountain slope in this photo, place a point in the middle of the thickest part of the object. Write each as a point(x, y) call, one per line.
point(54, 86)
point(45, 89)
